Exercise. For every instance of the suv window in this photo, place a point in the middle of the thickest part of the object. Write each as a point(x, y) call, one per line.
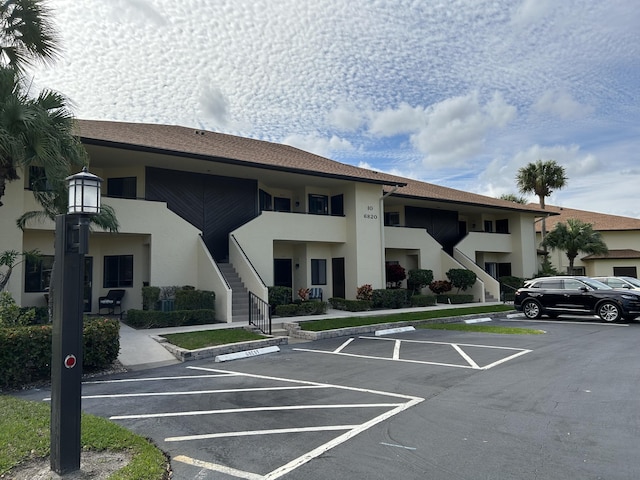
point(573, 285)
point(552, 284)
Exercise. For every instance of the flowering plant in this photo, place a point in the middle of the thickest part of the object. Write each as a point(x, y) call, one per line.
point(303, 293)
point(365, 292)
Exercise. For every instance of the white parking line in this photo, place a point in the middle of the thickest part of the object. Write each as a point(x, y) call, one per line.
point(352, 430)
point(250, 433)
point(397, 346)
point(215, 467)
point(254, 409)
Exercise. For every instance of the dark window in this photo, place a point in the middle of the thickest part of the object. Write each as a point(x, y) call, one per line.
point(577, 271)
point(337, 205)
point(318, 272)
point(488, 226)
point(625, 272)
point(391, 219)
point(265, 200)
point(281, 204)
point(38, 179)
point(318, 204)
point(504, 270)
point(38, 273)
point(549, 284)
point(125, 187)
point(118, 271)
point(502, 226)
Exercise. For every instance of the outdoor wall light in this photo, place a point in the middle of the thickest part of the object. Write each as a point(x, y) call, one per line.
point(84, 193)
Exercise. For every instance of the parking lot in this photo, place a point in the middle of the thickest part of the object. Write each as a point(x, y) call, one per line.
point(424, 404)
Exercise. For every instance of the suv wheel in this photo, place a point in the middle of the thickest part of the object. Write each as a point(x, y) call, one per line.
point(531, 309)
point(609, 312)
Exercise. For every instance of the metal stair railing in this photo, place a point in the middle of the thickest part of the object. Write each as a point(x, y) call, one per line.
point(259, 313)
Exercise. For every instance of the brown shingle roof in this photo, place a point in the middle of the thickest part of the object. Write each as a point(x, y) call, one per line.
point(601, 221)
point(258, 153)
point(222, 147)
point(614, 254)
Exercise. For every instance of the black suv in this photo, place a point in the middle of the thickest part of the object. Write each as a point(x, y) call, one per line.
point(553, 296)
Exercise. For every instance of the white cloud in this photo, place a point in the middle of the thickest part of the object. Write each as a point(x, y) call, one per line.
point(317, 144)
point(457, 127)
point(394, 121)
point(531, 11)
point(562, 105)
point(346, 118)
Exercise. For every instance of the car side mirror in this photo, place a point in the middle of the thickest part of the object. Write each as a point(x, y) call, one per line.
point(584, 289)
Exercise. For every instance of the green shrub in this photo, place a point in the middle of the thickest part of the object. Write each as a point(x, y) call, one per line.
point(187, 299)
point(175, 318)
point(11, 315)
point(350, 305)
point(150, 298)
point(25, 352)
point(454, 299)
point(101, 340)
point(422, 300)
point(41, 315)
point(301, 309)
point(280, 296)
point(461, 278)
point(389, 298)
point(418, 279)
point(290, 310)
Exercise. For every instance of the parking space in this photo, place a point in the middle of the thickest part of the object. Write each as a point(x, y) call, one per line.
point(227, 424)
point(427, 352)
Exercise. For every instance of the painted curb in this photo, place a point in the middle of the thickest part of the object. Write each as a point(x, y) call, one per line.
point(185, 355)
point(390, 331)
point(246, 353)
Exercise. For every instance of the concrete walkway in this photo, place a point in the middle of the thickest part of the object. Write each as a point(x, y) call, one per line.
point(139, 350)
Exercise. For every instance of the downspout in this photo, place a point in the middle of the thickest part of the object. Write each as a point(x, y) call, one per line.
point(382, 247)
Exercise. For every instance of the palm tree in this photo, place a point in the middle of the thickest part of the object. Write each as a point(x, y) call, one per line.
point(33, 131)
point(541, 178)
point(513, 198)
point(573, 237)
point(27, 35)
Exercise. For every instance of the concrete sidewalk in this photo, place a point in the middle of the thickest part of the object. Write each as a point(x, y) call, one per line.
point(139, 350)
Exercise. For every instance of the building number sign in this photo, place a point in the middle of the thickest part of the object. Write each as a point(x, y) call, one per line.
point(369, 214)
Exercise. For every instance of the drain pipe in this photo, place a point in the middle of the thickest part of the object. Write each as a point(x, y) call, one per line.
point(382, 247)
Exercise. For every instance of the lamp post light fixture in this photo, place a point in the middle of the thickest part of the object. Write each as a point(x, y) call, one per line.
point(67, 291)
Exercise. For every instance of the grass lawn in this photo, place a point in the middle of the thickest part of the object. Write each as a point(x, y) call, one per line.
point(24, 434)
point(331, 323)
point(463, 327)
point(210, 338)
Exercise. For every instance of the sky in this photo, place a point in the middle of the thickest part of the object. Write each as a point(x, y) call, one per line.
point(459, 93)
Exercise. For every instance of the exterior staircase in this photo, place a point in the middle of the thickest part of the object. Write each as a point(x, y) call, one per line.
point(239, 296)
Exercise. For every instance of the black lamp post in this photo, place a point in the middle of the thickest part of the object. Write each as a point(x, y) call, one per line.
point(72, 242)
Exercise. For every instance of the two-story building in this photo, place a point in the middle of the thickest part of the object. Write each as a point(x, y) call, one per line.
point(621, 234)
point(207, 209)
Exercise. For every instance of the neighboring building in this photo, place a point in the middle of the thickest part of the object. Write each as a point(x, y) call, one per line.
point(194, 204)
point(621, 234)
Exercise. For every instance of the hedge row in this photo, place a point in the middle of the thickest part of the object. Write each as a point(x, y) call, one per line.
point(301, 308)
point(25, 352)
point(423, 300)
point(350, 305)
point(176, 318)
